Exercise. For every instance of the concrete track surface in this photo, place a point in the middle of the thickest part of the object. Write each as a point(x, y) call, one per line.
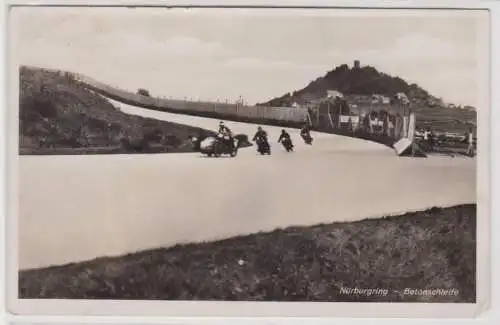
point(74, 208)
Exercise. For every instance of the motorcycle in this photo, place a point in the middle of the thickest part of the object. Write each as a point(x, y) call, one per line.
point(218, 146)
point(287, 144)
point(263, 146)
point(306, 137)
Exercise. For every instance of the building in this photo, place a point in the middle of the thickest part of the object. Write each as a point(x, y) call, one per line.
point(376, 98)
point(403, 98)
point(364, 104)
point(333, 94)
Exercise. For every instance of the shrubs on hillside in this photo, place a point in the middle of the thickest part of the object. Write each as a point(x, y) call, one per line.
point(362, 81)
point(56, 112)
point(366, 81)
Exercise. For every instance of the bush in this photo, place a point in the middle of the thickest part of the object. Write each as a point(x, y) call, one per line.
point(138, 144)
point(153, 135)
point(143, 92)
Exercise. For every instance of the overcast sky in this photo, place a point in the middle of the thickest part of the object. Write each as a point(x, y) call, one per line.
point(260, 54)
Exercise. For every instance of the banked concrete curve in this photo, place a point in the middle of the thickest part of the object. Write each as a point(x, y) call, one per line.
point(75, 208)
point(322, 141)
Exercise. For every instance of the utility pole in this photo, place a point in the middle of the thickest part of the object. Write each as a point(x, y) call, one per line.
point(317, 114)
point(339, 112)
point(330, 115)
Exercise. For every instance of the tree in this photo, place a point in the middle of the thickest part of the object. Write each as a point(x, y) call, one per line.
point(143, 92)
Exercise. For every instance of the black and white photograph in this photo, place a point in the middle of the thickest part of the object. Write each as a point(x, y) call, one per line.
point(313, 155)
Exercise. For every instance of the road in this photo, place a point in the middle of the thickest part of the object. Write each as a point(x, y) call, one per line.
point(75, 208)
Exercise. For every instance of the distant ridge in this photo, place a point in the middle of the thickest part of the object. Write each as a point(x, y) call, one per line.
point(366, 81)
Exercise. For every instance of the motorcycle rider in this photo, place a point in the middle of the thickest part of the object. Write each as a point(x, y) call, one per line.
point(305, 132)
point(285, 135)
point(260, 135)
point(223, 129)
point(226, 134)
point(305, 129)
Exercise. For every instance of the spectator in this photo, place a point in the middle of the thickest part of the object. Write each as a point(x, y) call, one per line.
point(428, 139)
point(470, 140)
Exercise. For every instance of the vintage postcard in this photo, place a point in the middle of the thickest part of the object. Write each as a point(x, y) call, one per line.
point(248, 161)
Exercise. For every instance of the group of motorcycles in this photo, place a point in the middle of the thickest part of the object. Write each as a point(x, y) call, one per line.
point(224, 143)
point(264, 147)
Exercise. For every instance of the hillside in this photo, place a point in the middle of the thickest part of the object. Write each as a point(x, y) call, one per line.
point(365, 81)
point(360, 81)
point(59, 115)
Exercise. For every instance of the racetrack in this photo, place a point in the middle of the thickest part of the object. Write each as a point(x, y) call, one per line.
point(74, 208)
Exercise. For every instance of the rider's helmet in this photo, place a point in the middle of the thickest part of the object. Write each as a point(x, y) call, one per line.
point(259, 128)
point(283, 131)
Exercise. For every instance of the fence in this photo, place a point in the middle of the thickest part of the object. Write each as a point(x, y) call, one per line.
point(332, 117)
point(290, 114)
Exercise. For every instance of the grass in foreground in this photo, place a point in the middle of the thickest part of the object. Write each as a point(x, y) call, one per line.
point(433, 249)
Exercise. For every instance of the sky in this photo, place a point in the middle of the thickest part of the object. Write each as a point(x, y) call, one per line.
point(259, 54)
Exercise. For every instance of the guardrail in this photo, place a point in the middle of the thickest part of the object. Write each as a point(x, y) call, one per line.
point(291, 114)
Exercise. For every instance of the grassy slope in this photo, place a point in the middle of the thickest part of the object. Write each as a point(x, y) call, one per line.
point(446, 119)
point(59, 116)
point(430, 249)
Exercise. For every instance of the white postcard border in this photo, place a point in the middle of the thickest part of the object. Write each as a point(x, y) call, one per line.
point(276, 309)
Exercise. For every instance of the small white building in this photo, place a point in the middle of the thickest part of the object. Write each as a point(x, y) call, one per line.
point(334, 94)
point(402, 97)
point(376, 98)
